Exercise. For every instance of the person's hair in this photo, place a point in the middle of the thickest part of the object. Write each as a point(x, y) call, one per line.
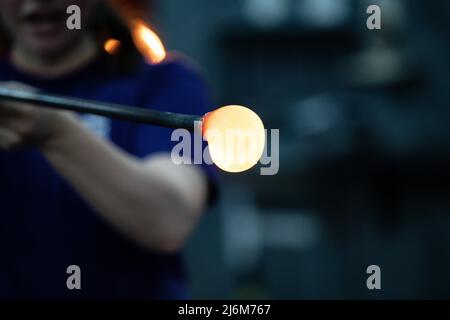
point(104, 25)
point(5, 40)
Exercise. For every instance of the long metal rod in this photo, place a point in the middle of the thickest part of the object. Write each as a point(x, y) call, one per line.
point(121, 112)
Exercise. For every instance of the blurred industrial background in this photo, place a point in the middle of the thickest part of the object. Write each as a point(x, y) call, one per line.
point(364, 146)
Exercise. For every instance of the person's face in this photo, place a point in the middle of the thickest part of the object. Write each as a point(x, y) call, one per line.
point(39, 26)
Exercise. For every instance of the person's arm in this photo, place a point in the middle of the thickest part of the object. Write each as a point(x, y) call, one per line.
point(153, 201)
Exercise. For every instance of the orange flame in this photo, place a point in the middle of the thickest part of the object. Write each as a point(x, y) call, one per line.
point(112, 46)
point(148, 42)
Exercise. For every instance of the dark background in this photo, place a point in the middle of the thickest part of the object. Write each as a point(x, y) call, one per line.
point(364, 125)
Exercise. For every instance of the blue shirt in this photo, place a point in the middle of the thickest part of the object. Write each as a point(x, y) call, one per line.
point(46, 226)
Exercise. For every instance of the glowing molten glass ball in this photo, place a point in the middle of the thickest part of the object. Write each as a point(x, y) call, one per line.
point(236, 137)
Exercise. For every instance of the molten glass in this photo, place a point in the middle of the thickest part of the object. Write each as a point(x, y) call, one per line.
point(147, 42)
point(236, 137)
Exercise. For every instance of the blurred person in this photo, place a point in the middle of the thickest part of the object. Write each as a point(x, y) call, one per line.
point(107, 199)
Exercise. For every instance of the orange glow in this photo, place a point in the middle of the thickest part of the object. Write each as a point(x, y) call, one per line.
point(236, 137)
point(148, 42)
point(112, 46)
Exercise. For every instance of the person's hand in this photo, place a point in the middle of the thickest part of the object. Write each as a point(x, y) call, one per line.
point(24, 124)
